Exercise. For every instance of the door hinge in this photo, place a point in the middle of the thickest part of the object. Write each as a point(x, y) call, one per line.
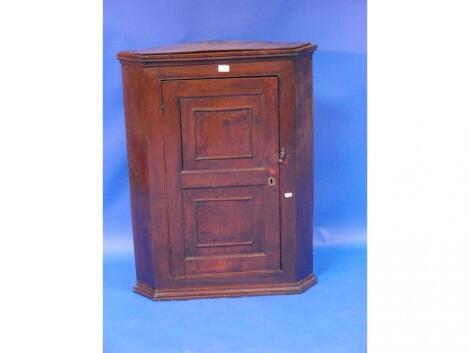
point(282, 155)
point(162, 109)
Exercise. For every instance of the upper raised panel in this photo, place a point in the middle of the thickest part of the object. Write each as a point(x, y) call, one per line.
point(223, 133)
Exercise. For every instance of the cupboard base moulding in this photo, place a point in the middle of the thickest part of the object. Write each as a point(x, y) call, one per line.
point(225, 291)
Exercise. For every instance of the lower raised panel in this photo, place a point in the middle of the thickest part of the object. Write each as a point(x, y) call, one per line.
point(226, 231)
point(223, 221)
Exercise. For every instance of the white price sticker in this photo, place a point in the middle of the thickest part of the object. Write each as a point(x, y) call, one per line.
point(224, 68)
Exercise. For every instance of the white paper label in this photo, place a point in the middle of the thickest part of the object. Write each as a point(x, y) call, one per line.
point(288, 195)
point(224, 68)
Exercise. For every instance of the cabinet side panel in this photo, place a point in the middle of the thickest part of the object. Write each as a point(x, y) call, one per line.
point(138, 172)
point(304, 165)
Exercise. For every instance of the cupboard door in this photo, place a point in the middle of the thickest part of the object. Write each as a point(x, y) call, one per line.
point(221, 156)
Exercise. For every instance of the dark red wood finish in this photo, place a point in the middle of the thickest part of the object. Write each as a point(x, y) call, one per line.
point(220, 167)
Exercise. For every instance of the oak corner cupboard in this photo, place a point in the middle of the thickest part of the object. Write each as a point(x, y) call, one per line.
point(219, 141)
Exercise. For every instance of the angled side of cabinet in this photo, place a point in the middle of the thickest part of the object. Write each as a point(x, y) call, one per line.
point(219, 138)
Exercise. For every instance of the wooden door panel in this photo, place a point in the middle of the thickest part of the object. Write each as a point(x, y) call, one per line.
point(221, 221)
point(221, 145)
point(222, 132)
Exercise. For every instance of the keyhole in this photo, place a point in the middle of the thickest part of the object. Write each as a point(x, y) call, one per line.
point(271, 181)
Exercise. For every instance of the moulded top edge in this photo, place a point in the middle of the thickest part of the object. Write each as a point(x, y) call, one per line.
point(206, 50)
